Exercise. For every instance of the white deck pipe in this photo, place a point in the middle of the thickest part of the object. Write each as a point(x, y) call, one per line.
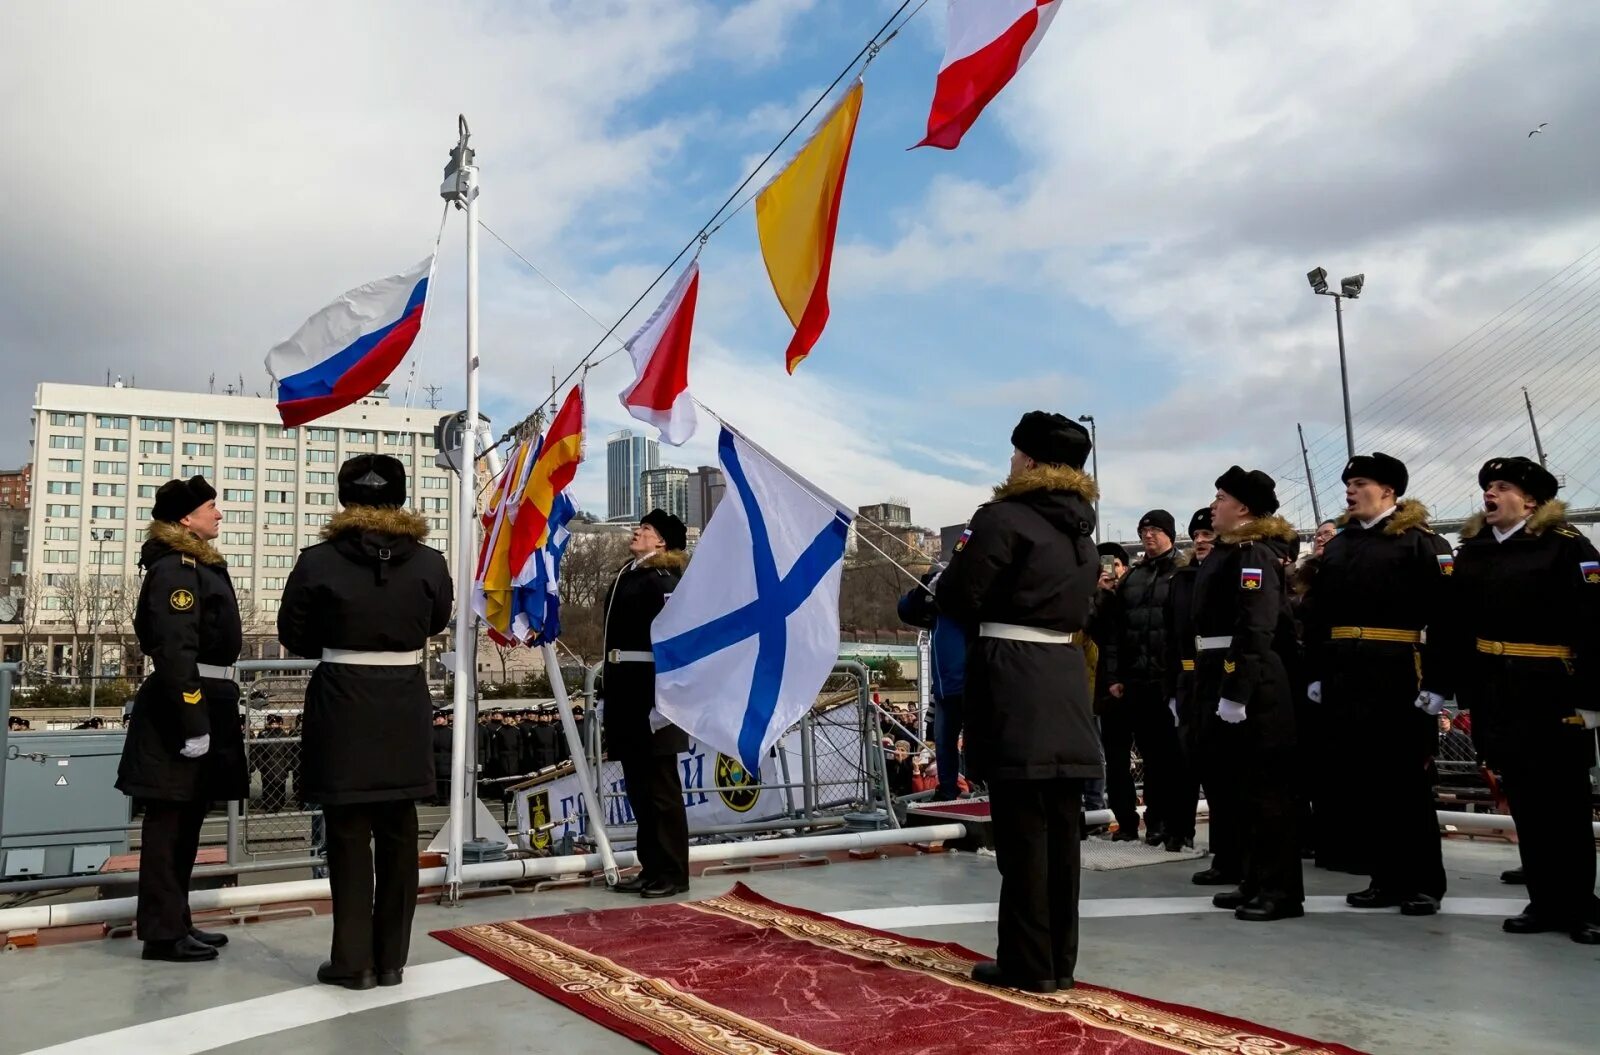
point(121, 910)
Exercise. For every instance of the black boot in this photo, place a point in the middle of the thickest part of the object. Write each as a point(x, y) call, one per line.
point(1231, 899)
point(632, 885)
point(1265, 910)
point(1214, 876)
point(988, 972)
point(184, 950)
point(1419, 905)
point(328, 976)
point(206, 937)
point(1372, 897)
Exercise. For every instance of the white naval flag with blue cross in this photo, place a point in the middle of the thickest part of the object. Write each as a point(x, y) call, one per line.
point(751, 633)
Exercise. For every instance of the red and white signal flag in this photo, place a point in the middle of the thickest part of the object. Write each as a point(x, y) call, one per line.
point(659, 394)
point(989, 41)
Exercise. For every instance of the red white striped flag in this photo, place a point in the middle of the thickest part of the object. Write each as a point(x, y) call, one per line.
point(659, 394)
point(989, 41)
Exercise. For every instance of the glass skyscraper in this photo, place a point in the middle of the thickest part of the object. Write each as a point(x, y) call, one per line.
point(628, 455)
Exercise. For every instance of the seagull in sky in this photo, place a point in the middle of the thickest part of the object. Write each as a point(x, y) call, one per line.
point(1541, 128)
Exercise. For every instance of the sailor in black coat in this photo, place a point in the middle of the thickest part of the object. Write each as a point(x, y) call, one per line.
point(443, 749)
point(1521, 644)
point(649, 756)
point(184, 748)
point(1379, 586)
point(365, 602)
point(1243, 702)
point(1021, 583)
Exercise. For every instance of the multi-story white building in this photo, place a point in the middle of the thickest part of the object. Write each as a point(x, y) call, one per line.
point(100, 453)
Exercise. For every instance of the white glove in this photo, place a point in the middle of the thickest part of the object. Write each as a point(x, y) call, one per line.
point(658, 721)
point(1314, 692)
point(1172, 705)
point(1230, 712)
point(196, 746)
point(1430, 703)
point(1591, 719)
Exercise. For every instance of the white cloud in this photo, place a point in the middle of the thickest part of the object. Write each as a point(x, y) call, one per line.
point(755, 31)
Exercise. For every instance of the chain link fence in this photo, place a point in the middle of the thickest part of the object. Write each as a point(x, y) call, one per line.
point(273, 818)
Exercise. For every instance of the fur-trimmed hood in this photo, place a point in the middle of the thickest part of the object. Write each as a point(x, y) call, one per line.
point(670, 559)
point(164, 535)
point(1049, 478)
point(386, 520)
point(1408, 513)
point(1262, 529)
point(1552, 514)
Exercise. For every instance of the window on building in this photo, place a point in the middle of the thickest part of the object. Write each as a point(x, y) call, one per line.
point(199, 450)
point(195, 470)
point(53, 603)
point(322, 435)
point(403, 459)
point(436, 483)
point(279, 538)
point(317, 519)
point(61, 556)
point(310, 539)
point(103, 557)
point(319, 498)
point(66, 443)
point(360, 436)
point(280, 454)
point(438, 523)
point(234, 428)
point(280, 518)
point(270, 604)
point(238, 494)
point(111, 490)
point(238, 472)
point(240, 560)
point(238, 516)
point(236, 538)
point(71, 421)
point(435, 505)
point(238, 450)
point(278, 560)
point(280, 498)
point(111, 468)
point(155, 446)
point(108, 512)
point(63, 487)
point(280, 476)
point(397, 439)
point(66, 465)
point(428, 441)
point(242, 585)
point(321, 457)
point(278, 432)
point(144, 512)
point(61, 534)
point(105, 443)
point(163, 469)
point(107, 421)
point(59, 510)
point(438, 544)
point(274, 583)
point(320, 478)
point(200, 428)
point(148, 490)
point(155, 424)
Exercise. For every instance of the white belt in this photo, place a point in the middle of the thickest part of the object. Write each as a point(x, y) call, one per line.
point(617, 655)
point(206, 670)
point(1209, 644)
point(371, 659)
point(1034, 634)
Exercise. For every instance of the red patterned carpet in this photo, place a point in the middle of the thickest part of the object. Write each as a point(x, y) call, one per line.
point(742, 974)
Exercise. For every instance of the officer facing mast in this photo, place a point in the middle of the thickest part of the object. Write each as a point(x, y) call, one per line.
point(1022, 583)
point(1378, 587)
point(1522, 642)
point(1241, 689)
point(184, 749)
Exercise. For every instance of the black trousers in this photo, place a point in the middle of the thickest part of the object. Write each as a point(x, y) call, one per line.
point(1405, 849)
point(171, 838)
point(1037, 848)
point(1255, 830)
point(372, 868)
point(655, 792)
point(1550, 803)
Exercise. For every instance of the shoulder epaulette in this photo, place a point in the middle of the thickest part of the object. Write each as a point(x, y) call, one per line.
point(1568, 532)
point(188, 561)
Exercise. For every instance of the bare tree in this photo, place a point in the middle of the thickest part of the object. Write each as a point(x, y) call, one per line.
point(587, 572)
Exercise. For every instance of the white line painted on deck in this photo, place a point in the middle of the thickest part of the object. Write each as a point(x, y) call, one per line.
point(215, 1027)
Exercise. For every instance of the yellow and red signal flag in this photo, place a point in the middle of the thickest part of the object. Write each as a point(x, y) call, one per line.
point(797, 217)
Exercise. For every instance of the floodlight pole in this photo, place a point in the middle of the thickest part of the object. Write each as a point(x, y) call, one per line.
point(1533, 423)
point(1311, 484)
point(1094, 452)
point(1344, 376)
point(461, 187)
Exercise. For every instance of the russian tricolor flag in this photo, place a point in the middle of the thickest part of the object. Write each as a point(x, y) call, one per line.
point(350, 347)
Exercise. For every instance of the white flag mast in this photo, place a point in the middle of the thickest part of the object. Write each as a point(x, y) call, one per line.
point(461, 187)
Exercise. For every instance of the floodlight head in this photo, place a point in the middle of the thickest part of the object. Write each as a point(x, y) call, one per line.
point(1351, 287)
point(1318, 278)
point(1086, 417)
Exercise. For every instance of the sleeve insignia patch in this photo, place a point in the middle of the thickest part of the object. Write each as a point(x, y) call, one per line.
point(192, 697)
point(1228, 666)
point(961, 543)
point(1249, 578)
point(1590, 569)
point(182, 600)
point(1447, 564)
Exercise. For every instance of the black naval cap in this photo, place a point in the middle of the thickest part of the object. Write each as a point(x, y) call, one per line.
point(178, 498)
point(670, 528)
point(1529, 476)
point(1051, 439)
point(1381, 469)
point(1201, 521)
point(372, 480)
point(1257, 490)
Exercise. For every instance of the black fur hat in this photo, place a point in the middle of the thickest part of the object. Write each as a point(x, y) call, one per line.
point(1201, 521)
point(1381, 469)
point(1528, 475)
point(1051, 439)
point(372, 480)
point(670, 528)
point(178, 498)
point(1257, 490)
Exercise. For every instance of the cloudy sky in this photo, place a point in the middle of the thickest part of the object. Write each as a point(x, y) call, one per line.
point(1125, 235)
